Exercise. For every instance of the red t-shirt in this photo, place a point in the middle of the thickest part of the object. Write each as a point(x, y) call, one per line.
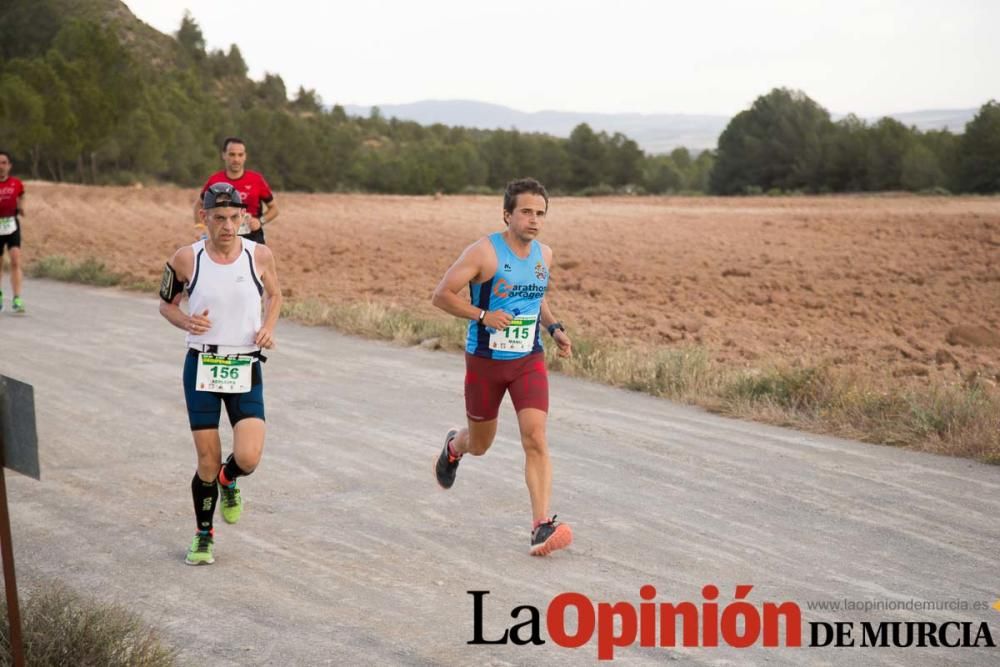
point(10, 190)
point(251, 186)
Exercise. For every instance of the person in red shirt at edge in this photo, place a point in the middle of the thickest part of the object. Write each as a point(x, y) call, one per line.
point(11, 212)
point(253, 189)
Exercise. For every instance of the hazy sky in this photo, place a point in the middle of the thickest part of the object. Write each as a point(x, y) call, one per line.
point(716, 56)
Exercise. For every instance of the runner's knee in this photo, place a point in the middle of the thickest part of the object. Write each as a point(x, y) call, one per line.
point(534, 441)
point(248, 462)
point(248, 442)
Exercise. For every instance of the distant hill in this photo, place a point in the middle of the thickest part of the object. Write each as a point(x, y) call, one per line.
point(953, 120)
point(655, 133)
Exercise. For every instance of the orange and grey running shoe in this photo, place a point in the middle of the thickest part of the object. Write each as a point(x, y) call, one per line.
point(447, 465)
point(549, 536)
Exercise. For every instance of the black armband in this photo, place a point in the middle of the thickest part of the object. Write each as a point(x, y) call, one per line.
point(170, 286)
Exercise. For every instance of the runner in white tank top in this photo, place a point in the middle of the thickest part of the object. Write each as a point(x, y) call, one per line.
point(233, 297)
point(224, 278)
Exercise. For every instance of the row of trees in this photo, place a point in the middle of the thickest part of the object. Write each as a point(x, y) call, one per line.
point(86, 109)
point(77, 105)
point(788, 142)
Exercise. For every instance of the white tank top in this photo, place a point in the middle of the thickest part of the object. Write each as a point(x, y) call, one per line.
point(232, 295)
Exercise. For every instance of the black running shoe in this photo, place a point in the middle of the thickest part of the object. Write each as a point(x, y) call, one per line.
point(550, 536)
point(447, 465)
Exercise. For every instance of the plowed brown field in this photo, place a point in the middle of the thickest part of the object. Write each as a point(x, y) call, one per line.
point(896, 286)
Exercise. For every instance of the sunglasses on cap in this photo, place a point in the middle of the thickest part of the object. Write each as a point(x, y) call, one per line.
point(219, 195)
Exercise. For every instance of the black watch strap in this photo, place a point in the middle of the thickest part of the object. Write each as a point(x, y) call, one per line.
point(555, 325)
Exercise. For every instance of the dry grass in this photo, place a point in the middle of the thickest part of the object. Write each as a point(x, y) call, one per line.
point(372, 320)
point(956, 420)
point(61, 628)
point(680, 374)
point(89, 271)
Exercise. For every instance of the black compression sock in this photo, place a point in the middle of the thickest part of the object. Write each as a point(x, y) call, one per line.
point(230, 471)
point(205, 495)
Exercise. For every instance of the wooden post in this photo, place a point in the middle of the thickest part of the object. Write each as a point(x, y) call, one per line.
point(19, 451)
point(9, 580)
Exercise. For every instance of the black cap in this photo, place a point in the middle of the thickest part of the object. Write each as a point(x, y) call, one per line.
point(221, 194)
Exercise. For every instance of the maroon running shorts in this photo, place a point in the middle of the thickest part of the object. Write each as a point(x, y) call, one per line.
point(486, 381)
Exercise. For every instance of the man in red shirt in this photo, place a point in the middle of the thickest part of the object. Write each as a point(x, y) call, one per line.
point(254, 190)
point(11, 211)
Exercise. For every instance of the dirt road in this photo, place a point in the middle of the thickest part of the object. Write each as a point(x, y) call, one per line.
point(348, 552)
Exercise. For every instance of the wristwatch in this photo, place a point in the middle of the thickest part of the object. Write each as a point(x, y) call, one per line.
point(555, 325)
point(482, 315)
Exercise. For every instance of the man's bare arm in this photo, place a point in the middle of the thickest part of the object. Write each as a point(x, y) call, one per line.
point(272, 292)
point(467, 268)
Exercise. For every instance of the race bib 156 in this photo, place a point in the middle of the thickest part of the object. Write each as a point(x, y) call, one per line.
point(229, 375)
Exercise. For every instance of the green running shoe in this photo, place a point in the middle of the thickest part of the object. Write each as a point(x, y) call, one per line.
point(18, 305)
point(232, 503)
point(201, 550)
